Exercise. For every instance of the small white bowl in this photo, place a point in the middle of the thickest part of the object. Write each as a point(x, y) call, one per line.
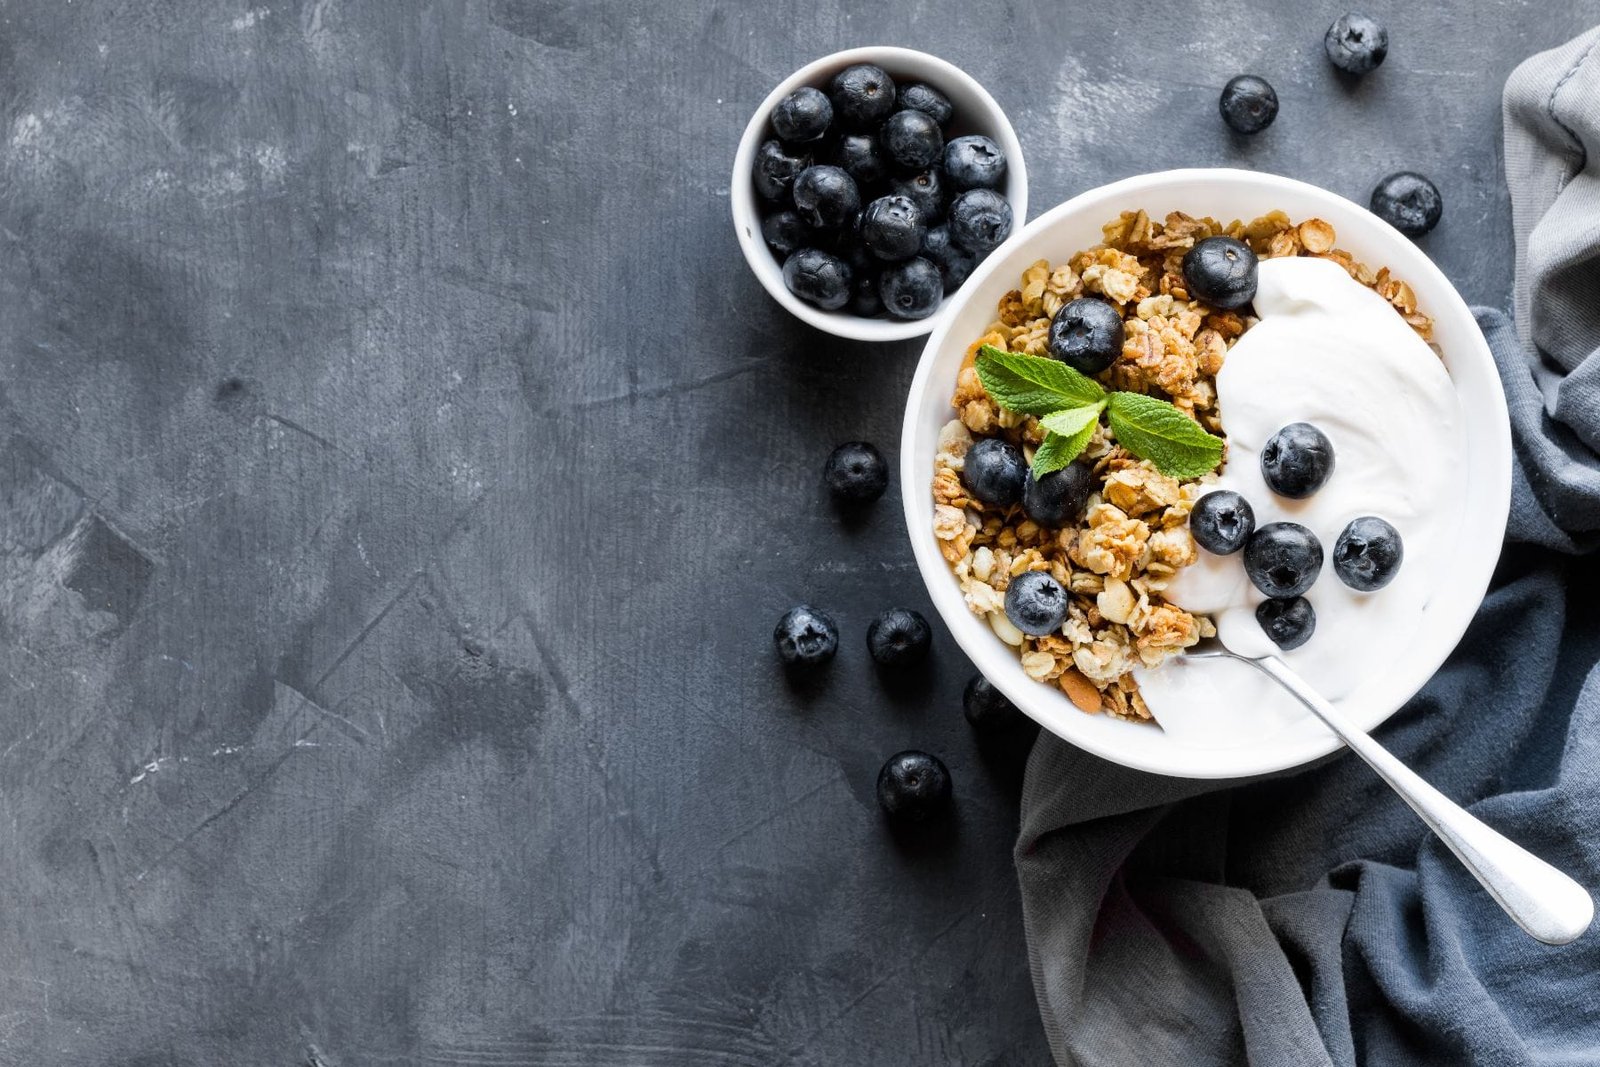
point(975, 112)
point(1222, 194)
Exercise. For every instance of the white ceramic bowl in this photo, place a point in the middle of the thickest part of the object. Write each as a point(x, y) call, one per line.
point(1222, 194)
point(975, 112)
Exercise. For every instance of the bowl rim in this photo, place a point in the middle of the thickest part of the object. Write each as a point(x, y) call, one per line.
point(979, 643)
point(746, 218)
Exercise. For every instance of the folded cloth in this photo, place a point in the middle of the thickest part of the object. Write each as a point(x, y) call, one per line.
point(1312, 919)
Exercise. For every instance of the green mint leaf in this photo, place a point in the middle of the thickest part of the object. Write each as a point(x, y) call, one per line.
point(1058, 450)
point(1155, 430)
point(1034, 385)
point(1069, 422)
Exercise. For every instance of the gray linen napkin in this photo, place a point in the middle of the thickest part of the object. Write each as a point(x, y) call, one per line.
point(1312, 919)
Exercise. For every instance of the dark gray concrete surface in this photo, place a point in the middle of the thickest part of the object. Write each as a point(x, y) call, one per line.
point(400, 475)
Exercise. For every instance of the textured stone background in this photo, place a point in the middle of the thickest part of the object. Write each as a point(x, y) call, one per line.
point(400, 474)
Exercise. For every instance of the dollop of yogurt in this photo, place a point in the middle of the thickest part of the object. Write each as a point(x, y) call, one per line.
point(1329, 351)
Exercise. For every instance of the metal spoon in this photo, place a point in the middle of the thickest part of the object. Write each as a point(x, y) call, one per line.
point(1544, 902)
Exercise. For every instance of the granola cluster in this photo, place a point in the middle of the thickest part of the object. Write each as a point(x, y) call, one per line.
point(1134, 535)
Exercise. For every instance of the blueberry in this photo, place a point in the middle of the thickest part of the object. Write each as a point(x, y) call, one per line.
point(826, 197)
point(891, 227)
point(979, 220)
point(785, 232)
point(1248, 104)
point(1221, 271)
point(1408, 202)
point(899, 637)
point(1297, 460)
point(861, 157)
point(805, 637)
point(1356, 43)
point(1222, 522)
point(819, 278)
point(988, 710)
point(802, 116)
point(863, 96)
point(922, 97)
point(974, 162)
point(776, 169)
point(912, 139)
point(994, 472)
point(911, 290)
point(1289, 621)
point(913, 786)
point(926, 189)
point(1036, 603)
point(856, 473)
point(954, 263)
point(864, 298)
point(1283, 559)
point(1086, 334)
point(1367, 555)
point(1059, 497)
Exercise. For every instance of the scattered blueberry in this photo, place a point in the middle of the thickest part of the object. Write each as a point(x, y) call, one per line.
point(1297, 460)
point(928, 100)
point(1036, 603)
point(988, 710)
point(864, 298)
point(860, 156)
point(862, 95)
point(954, 263)
point(785, 232)
point(891, 227)
point(1248, 104)
point(805, 637)
point(912, 139)
point(1408, 202)
point(802, 116)
point(776, 169)
point(819, 278)
point(1058, 499)
point(899, 637)
point(926, 189)
point(1356, 43)
point(994, 472)
point(911, 290)
point(856, 473)
point(1289, 621)
point(1283, 559)
point(1367, 555)
point(1086, 334)
point(1221, 271)
point(826, 197)
point(979, 220)
point(913, 786)
point(1222, 522)
point(974, 162)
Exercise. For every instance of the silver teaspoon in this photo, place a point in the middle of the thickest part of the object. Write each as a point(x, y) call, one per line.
point(1543, 901)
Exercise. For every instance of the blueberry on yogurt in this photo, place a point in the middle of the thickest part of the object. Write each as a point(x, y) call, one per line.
point(1222, 522)
point(1297, 460)
point(1283, 559)
point(1288, 621)
point(1368, 553)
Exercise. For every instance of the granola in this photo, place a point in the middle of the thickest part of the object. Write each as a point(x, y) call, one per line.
point(1133, 537)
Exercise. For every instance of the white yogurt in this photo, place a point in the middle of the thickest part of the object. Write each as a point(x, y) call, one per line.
point(1331, 352)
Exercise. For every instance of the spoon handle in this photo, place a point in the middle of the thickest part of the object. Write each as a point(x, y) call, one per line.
point(1546, 903)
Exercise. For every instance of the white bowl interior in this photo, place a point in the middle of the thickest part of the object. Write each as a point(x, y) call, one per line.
point(1224, 195)
point(976, 112)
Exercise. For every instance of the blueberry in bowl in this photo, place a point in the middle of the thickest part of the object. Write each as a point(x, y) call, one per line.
point(828, 165)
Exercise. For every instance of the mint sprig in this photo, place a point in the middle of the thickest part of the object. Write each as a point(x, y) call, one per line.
point(1068, 405)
